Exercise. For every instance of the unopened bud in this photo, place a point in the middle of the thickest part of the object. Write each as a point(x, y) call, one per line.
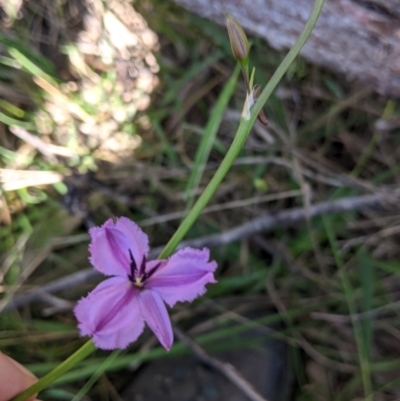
point(262, 118)
point(238, 39)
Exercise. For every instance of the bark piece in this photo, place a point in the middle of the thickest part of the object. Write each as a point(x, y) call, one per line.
point(359, 38)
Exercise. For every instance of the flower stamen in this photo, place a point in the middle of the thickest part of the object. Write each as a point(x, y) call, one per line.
point(138, 282)
point(152, 271)
point(133, 267)
point(138, 278)
point(142, 266)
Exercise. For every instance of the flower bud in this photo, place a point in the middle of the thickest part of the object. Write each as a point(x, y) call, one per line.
point(237, 38)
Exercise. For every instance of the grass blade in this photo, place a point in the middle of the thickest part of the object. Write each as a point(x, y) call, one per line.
point(365, 365)
point(210, 132)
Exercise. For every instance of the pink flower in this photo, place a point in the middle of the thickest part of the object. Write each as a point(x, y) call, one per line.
point(115, 312)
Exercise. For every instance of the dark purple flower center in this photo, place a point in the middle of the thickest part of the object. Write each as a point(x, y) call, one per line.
point(139, 276)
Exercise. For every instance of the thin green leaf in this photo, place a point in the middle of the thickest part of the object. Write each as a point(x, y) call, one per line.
point(210, 132)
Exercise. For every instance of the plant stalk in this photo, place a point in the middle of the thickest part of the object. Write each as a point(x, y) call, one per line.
point(242, 134)
point(64, 367)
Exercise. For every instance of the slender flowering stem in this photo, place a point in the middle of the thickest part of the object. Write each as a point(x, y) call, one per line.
point(242, 134)
point(64, 367)
point(237, 144)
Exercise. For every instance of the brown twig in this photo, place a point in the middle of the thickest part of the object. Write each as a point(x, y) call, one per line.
point(255, 226)
point(370, 314)
point(226, 369)
point(293, 216)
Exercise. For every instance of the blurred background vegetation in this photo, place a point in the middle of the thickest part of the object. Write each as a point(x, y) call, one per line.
point(107, 108)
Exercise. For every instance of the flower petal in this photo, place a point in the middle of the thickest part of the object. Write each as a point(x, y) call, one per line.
point(156, 316)
point(111, 244)
point(111, 314)
point(184, 276)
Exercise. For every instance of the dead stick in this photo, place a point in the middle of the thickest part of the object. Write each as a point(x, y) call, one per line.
point(228, 370)
point(292, 216)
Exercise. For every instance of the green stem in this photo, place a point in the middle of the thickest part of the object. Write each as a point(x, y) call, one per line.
point(64, 367)
point(242, 134)
point(237, 144)
point(294, 51)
